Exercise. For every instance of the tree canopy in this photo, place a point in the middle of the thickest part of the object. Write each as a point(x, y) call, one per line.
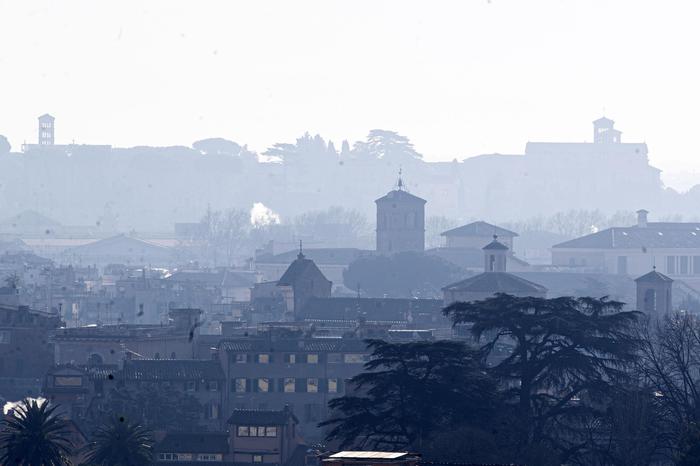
point(35, 435)
point(408, 392)
point(556, 357)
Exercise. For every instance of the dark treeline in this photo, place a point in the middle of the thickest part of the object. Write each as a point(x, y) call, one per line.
point(546, 382)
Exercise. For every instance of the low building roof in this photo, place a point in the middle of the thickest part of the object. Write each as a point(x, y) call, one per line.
point(320, 345)
point(194, 442)
point(654, 276)
point(371, 309)
point(479, 228)
point(171, 369)
point(326, 256)
point(654, 235)
point(298, 269)
point(399, 195)
point(262, 417)
point(496, 282)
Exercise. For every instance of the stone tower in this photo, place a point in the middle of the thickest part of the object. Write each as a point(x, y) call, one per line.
point(400, 221)
point(654, 293)
point(604, 132)
point(46, 130)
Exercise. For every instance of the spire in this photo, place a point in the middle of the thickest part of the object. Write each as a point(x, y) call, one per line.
point(400, 183)
point(301, 251)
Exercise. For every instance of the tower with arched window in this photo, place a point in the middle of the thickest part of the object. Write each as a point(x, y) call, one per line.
point(654, 293)
point(46, 130)
point(400, 221)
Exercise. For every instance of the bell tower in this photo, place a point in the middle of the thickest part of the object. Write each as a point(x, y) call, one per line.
point(400, 221)
point(604, 132)
point(46, 130)
point(654, 293)
point(495, 256)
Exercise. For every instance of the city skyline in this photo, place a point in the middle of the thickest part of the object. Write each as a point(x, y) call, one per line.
point(449, 78)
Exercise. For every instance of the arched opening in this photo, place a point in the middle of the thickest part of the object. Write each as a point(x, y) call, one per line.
point(650, 300)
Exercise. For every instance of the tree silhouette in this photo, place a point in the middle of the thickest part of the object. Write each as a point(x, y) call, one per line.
point(35, 436)
point(408, 392)
point(555, 356)
point(121, 443)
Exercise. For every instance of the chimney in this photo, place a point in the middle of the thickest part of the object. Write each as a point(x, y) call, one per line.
point(642, 218)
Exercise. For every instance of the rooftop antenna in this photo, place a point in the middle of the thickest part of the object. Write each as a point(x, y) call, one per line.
point(301, 251)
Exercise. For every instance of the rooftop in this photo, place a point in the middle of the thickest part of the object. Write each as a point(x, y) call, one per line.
point(171, 369)
point(399, 195)
point(653, 235)
point(479, 228)
point(491, 282)
point(194, 442)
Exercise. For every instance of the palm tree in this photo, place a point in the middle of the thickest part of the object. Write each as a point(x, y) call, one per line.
point(121, 443)
point(35, 436)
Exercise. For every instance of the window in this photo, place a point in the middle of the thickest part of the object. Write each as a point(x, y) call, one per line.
point(209, 457)
point(334, 358)
point(696, 265)
point(241, 358)
point(238, 386)
point(263, 385)
point(263, 358)
point(289, 385)
point(312, 358)
point(332, 385)
point(257, 459)
point(213, 386)
point(312, 385)
point(191, 386)
point(354, 358)
point(671, 265)
point(212, 411)
point(683, 265)
point(291, 359)
point(257, 431)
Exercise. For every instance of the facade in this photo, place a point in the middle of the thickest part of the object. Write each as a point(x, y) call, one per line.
point(400, 222)
point(202, 379)
point(274, 370)
point(494, 280)
point(263, 436)
point(672, 247)
point(26, 352)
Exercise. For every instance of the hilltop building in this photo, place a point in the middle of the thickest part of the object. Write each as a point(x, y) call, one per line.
point(46, 140)
point(400, 221)
point(671, 247)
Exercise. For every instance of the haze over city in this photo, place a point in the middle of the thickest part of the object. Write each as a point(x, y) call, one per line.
point(459, 78)
point(349, 233)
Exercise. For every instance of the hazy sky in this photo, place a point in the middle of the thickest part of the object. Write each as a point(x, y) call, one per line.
point(460, 78)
